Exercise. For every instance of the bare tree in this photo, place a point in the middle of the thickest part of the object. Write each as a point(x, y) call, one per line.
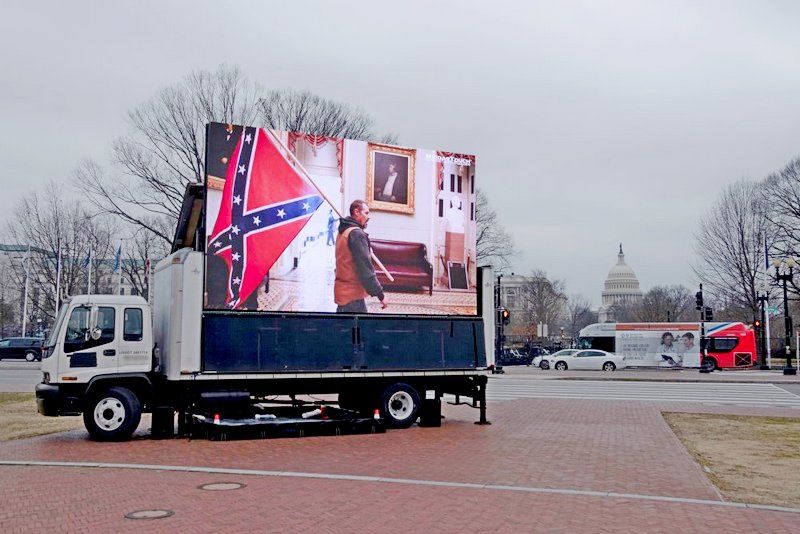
point(729, 244)
point(55, 227)
point(142, 250)
point(165, 149)
point(624, 311)
point(579, 314)
point(781, 193)
point(495, 244)
point(662, 303)
point(542, 299)
point(303, 111)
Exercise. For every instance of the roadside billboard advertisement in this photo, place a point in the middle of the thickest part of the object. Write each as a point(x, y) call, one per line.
point(659, 345)
point(305, 223)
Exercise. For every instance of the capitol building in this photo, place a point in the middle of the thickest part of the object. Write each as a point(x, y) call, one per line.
point(621, 287)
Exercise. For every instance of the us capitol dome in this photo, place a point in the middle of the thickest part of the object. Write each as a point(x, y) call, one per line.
point(621, 287)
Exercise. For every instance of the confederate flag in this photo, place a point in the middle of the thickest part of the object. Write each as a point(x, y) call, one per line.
point(265, 204)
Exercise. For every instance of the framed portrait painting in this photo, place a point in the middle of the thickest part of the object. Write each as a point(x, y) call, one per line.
point(390, 178)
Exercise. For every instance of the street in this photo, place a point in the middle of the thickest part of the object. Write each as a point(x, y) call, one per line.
point(18, 376)
point(746, 388)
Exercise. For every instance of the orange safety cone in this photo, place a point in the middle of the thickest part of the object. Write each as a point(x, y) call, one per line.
point(377, 414)
point(216, 418)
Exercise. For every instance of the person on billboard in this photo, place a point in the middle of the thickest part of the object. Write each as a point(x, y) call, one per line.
point(394, 188)
point(355, 276)
point(686, 346)
point(331, 224)
point(669, 358)
point(688, 341)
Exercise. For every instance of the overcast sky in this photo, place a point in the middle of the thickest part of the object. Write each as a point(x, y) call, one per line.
point(594, 122)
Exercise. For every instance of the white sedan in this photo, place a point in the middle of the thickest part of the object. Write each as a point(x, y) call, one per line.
point(542, 361)
point(583, 360)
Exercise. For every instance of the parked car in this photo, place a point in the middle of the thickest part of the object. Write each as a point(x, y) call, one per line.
point(29, 348)
point(543, 363)
point(590, 359)
point(509, 356)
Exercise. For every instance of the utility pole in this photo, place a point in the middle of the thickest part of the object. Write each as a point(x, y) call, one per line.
point(498, 342)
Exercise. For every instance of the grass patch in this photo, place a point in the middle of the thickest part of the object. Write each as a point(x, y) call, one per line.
point(750, 459)
point(19, 418)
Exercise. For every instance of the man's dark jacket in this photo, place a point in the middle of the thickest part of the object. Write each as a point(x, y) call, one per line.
point(358, 243)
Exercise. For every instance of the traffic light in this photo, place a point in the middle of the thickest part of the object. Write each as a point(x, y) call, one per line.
point(709, 313)
point(757, 325)
point(698, 300)
point(506, 316)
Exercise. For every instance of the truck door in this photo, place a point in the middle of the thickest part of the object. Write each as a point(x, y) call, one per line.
point(90, 342)
point(134, 347)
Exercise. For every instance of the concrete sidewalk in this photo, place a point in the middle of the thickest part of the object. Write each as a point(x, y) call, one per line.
point(543, 465)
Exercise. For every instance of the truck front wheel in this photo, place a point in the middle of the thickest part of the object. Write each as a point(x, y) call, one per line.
point(113, 415)
point(400, 405)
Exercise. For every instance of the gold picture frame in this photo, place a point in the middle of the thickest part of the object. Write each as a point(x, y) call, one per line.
point(390, 178)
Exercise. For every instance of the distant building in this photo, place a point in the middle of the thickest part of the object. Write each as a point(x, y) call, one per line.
point(621, 287)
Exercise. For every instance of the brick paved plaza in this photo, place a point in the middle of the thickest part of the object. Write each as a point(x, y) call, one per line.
point(543, 465)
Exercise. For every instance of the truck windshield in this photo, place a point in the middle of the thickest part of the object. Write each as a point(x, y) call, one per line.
point(51, 339)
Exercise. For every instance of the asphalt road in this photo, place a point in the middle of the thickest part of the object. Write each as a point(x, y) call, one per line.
point(19, 376)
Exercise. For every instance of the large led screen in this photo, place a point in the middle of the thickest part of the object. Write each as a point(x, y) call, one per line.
point(306, 223)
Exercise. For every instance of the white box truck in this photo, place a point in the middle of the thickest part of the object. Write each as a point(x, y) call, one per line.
point(113, 357)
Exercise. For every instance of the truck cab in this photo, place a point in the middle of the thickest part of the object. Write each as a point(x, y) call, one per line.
point(94, 338)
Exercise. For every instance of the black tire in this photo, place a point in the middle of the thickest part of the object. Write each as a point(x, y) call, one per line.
point(30, 356)
point(399, 405)
point(112, 415)
point(710, 364)
point(544, 365)
point(561, 366)
point(609, 366)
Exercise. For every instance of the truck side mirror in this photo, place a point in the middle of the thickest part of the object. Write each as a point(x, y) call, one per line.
point(96, 333)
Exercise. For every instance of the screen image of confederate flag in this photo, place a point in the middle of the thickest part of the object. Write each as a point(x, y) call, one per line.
point(292, 216)
point(266, 202)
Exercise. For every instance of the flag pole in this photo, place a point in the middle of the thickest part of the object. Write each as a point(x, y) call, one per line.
point(58, 279)
point(119, 280)
point(89, 279)
point(25, 297)
point(324, 196)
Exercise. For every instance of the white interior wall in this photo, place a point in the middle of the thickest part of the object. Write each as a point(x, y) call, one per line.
point(416, 228)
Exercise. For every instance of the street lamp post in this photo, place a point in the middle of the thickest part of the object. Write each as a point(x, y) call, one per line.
point(762, 298)
point(784, 271)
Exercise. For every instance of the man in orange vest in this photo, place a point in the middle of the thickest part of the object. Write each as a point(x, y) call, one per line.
point(355, 275)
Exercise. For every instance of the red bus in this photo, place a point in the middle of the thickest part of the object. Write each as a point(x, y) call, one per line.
point(673, 345)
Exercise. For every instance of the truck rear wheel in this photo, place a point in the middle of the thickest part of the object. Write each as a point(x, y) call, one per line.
point(400, 405)
point(113, 415)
